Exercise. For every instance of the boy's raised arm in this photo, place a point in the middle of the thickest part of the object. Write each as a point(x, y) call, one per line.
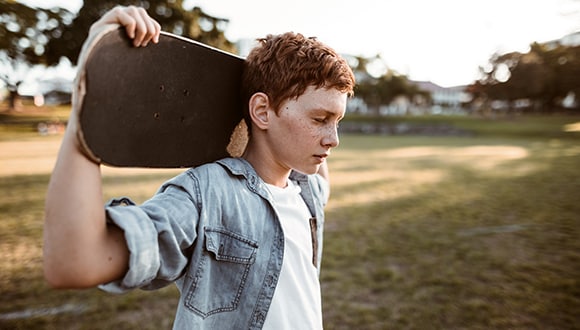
point(80, 249)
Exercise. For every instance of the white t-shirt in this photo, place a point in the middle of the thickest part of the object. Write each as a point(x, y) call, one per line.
point(297, 302)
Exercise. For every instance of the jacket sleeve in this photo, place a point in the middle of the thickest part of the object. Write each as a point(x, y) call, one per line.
point(159, 234)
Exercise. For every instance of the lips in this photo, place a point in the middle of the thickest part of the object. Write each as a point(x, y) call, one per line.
point(322, 157)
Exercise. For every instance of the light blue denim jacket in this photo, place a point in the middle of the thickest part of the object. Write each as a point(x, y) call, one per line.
point(213, 230)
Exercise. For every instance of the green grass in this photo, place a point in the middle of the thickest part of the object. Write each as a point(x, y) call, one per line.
point(471, 233)
point(516, 126)
point(475, 232)
point(21, 282)
point(23, 124)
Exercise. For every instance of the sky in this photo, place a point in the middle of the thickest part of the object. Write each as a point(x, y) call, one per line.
point(444, 41)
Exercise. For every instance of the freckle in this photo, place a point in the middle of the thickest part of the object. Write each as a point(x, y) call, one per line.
point(110, 259)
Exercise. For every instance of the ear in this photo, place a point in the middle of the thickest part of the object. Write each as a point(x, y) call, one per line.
point(259, 105)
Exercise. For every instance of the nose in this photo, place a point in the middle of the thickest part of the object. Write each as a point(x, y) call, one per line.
point(331, 139)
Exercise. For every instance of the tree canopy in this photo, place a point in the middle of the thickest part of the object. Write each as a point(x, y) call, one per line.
point(545, 76)
point(25, 32)
point(24, 36)
point(31, 36)
point(194, 24)
point(383, 89)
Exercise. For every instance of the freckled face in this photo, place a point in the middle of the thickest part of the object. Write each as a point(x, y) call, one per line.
point(304, 131)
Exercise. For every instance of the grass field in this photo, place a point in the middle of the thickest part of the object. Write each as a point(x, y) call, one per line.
point(478, 232)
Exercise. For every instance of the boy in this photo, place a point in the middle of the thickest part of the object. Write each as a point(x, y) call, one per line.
point(241, 237)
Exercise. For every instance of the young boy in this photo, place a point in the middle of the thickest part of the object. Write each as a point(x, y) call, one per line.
point(241, 237)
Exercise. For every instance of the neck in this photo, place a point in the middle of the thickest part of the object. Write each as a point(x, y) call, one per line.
point(267, 168)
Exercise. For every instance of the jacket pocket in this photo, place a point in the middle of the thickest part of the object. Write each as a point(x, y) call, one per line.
point(220, 277)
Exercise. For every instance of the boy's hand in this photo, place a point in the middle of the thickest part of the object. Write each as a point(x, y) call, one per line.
point(139, 25)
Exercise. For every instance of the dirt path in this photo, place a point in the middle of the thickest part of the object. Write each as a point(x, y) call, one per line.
point(27, 157)
point(38, 156)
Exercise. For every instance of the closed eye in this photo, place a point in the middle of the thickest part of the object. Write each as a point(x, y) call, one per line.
point(326, 117)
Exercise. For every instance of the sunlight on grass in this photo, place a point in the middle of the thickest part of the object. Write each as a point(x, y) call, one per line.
point(448, 234)
point(443, 234)
point(479, 157)
point(143, 183)
point(401, 172)
point(23, 157)
point(575, 127)
point(359, 188)
point(421, 233)
point(16, 256)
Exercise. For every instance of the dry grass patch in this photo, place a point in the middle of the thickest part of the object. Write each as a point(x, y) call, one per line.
point(489, 243)
point(422, 233)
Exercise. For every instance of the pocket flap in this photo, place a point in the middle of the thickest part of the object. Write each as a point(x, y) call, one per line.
point(229, 246)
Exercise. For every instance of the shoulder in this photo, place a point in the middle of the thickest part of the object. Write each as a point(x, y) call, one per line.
point(320, 185)
point(199, 177)
point(221, 172)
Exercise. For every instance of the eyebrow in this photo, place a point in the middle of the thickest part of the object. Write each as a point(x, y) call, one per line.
point(327, 112)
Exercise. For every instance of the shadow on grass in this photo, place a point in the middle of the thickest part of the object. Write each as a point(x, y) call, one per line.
point(27, 302)
point(436, 243)
point(475, 250)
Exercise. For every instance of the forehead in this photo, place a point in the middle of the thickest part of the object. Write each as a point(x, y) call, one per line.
point(322, 99)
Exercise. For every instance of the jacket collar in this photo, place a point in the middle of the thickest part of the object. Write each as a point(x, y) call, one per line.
point(241, 167)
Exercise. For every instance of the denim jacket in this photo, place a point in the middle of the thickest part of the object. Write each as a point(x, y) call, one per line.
point(213, 230)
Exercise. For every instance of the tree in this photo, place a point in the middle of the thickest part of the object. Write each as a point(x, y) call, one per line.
point(382, 90)
point(32, 36)
point(24, 35)
point(545, 75)
point(194, 24)
point(564, 64)
point(529, 78)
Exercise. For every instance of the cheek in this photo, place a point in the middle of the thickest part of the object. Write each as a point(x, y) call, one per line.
point(305, 129)
point(313, 132)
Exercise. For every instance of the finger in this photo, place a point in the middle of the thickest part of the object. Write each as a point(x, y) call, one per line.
point(137, 23)
point(157, 31)
point(140, 29)
point(151, 27)
point(124, 17)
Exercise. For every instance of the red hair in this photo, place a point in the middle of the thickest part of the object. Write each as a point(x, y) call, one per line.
point(284, 66)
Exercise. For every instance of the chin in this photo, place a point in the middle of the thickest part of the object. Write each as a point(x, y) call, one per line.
point(308, 171)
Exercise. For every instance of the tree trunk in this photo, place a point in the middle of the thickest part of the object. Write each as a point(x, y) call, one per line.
point(13, 98)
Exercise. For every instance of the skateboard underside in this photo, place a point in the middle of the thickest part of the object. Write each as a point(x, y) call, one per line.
point(171, 104)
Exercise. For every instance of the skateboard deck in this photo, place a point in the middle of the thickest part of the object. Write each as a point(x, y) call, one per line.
point(167, 105)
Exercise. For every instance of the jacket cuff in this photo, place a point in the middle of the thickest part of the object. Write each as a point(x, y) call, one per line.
point(141, 238)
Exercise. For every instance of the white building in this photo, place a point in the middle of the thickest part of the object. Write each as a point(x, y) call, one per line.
point(445, 99)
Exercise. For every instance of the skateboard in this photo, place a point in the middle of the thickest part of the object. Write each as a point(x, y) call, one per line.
point(167, 105)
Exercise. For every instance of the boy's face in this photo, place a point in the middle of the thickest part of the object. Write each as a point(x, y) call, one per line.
point(304, 130)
